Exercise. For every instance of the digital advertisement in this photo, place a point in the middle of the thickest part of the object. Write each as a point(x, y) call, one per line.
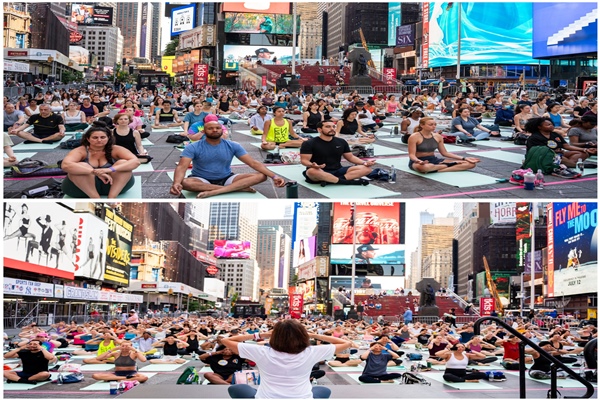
point(183, 19)
point(118, 248)
point(84, 14)
point(367, 254)
point(265, 54)
point(375, 223)
point(90, 254)
point(277, 24)
point(572, 248)
point(304, 250)
point(232, 249)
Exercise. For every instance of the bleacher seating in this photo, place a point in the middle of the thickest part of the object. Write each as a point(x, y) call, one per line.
point(309, 74)
point(392, 306)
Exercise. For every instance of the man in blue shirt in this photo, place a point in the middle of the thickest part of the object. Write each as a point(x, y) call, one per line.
point(211, 172)
point(408, 316)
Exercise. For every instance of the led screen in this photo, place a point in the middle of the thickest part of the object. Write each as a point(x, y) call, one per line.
point(277, 24)
point(85, 14)
point(232, 249)
point(491, 33)
point(304, 250)
point(183, 19)
point(264, 54)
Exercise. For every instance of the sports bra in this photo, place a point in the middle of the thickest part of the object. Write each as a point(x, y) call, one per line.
point(72, 119)
point(453, 363)
point(87, 160)
point(428, 145)
point(124, 361)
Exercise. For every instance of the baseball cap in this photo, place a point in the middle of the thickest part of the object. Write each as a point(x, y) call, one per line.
point(359, 103)
point(263, 50)
point(365, 247)
point(42, 334)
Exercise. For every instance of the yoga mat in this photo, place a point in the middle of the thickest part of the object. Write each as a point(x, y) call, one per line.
point(205, 369)
point(234, 195)
point(97, 367)
point(355, 378)
point(499, 144)
point(134, 193)
point(144, 168)
point(290, 150)
point(347, 369)
point(379, 150)
point(458, 179)
point(294, 172)
point(9, 387)
point(23, 155)
point(146, 142)
point(38, 146)
point(246, 132)
point(481, 385)
point(161, 367)
point(398, 139)
point(560, 382)
point(479, 367)
point(104, 386)
point(500, 155)
point(174, 129)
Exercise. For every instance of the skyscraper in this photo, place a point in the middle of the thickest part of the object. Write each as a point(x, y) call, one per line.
point(233, 221)
point(129, 19)
point(156, 41)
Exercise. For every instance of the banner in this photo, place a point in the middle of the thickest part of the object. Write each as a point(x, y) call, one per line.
point(296, 305)
point(572, 249)
point(307, 271)
point(90, 252)
point(405, 35)
point(503, 213)
point(84, 14)
point(22, 287)
point(425, 46)
point(268, 305)
point(183, 19)
point(486, 306)
point(304, 251)
point(200, 74)
point(389, 75)
point(539, 266)
point(523, 233)
point(118, 250)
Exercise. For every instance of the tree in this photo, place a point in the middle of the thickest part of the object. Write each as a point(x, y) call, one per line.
point(171, 47)
point(72, 76)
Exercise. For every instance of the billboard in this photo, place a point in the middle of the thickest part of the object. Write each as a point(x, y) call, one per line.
point(118, 249)
point(539, 262)
point(503, 213)
point(232, 249)
point(276, 24)
point(575, 32)
point(296, 303)
point(523, 234)
point(307, 289)
point(425, 45)
point(200, 74)
point(394, 20)
point(86, 14)
point(266, 55)
point(183, 19)
point(249, 7)
point(385, 254)
point(405, 35)
point(90, 253)
point(40, 238)
point(390, 75)
point(306, 217)
point(80, 55)
point(375, 223)
point(499, 31)
point(214, 287)
point(304, 250)
point(572, 248)
point(486, 306)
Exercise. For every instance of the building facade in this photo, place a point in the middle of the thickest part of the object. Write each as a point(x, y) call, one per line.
point(243, 275)
point(104, 41)
point(16, 28)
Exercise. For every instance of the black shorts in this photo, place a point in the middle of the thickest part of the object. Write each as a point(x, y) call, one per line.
point(24, 375)
point(219, 182)
point(125, 373)
point(338, 173)
point(342, 360)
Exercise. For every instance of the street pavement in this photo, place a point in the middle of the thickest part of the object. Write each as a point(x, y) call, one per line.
point(498, 160)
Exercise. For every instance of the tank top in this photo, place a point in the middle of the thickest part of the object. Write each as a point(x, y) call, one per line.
point(224, 105)
point(87, 160)
point(124, 361)
point(475, 347)
point(349, 128)
point(165, 116)
point(193, 343)
point(428, 145)
point(437, 347)
point(313, 119)
point(555, 119)
point(127, 141)
point(88, 111)
point(412, 126)
point(72, 120)
point(453, 363)
point(278, 134)
point(391, 108)
point(170, 349)
point(102, 348)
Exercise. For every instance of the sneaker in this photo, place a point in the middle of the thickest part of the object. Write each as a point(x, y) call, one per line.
point(565, 173)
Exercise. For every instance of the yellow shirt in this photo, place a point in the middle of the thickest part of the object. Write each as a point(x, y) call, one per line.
point(102, 348)
point(278, 134)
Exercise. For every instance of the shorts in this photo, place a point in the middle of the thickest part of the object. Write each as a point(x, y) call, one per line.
point(432, 160)
point(338, 173)
point(24, 375)
point(342, 360)
point(170, 358)
point(221, 182)
point(125, 373)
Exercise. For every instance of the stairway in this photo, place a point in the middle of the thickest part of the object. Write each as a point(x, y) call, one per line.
point(573, 28)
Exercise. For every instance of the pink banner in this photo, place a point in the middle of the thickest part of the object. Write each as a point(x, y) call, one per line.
point(425, 46)
point(389, 75)
point(200, 74)
point(296, 305)
point(264, 81)
point(486, 306)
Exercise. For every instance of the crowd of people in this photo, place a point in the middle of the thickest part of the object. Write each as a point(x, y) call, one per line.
point(287, 352)
point(48, 117)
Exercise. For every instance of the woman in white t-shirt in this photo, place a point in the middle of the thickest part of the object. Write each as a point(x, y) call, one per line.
point(285, 365)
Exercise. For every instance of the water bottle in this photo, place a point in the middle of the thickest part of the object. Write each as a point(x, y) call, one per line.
point(229, 130)
point(580, 166)
point(539, 179)
point(276, 150)
point(392, 178)
point(529, 180)
point(582, 369)
point(114, 388)
point(370, 150)
point(394, 131)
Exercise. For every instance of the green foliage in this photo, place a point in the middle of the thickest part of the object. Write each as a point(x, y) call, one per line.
point(72, 76)
point(171, 47)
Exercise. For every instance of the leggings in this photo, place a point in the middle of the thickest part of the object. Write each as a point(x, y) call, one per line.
point(378, 378)
point(244, 391)
point(461, 375)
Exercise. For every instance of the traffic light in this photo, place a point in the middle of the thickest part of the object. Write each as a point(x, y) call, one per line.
point(131, 70)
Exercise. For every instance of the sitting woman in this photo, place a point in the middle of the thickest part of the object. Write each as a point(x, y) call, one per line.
point(107, 343)
point(238, 111)
point(436, 345)
point(457, 360)
point(166, 117)
point(75, 119)
point(311, 117)
point(127, 137)
point(421, 148)
point(522, 115)
point(342, 358)
point(351, 129)
point(553, 112)
point(408, 125)
point(583, 134)
point(126, 358)
point(467, 128)
point(98, 167)
point(277, 132)
point(172, 348)
point(478, 345)
point(281, 102)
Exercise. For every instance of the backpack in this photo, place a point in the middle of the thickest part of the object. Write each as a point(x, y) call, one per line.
point(540, 157)
point(69, 378)
point(510, 365)
point(176, 139)
point(70, 144)
point(409, 378)
point(520, 139)
point(30, 167)
point(189, 376)
point(379, 174)
point(359, 151)
point(495, 376)
point(414, 356)
point(449, 138)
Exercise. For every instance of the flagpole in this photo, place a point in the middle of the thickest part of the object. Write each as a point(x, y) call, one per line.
point(353, 218)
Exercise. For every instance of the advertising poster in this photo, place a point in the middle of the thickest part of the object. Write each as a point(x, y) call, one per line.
point(375, 223)
point(22, 287)
point(426, 37)
point(265, 54)
point(265, 7)
point(405, 35)
point(85, 14)
point(368, 254)
point(523, 233)
point(200, 74)
point(539, 262)
point(304, 250)
point(390, 75)
point(40, 238)
point(277, 24)
point(572, 248)
point(306, 217)
point(486, 306)
point(307, 289)
point(394, 20)
point(90, 253)
point(79, 54)
point(232, 249)
point(503, 213)
point(296, 305)
point(118, 249)
point(183, 19)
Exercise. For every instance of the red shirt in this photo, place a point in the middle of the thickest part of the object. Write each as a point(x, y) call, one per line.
point(511, 350)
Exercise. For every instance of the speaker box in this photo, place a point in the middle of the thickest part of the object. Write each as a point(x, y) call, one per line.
point(321, 78)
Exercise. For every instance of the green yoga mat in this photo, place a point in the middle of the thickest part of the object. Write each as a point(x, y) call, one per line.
point(146, 142)
point(458, 179)
point(134, 193)
point(294, 173)
point(290, 150)
point(398, 139)
point(38, 146)
point(246, 132)
point(234, 195)
point(28, 154)
point(144, 168)
point(379, 150)
point(354, 377)
point(161, 367)
point(9, 387)
point(500, 155)
point(347, 369)
point(481, 385)
point(498, 144)
point(104, 386)
point(174, 129)
point(561, 382)
point(479, 367)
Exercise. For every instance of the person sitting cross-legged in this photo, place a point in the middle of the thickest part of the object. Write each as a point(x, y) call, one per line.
point(171, 347)
point(126, 358)
point(35, 359)
point(224, 364)
point(375, 370)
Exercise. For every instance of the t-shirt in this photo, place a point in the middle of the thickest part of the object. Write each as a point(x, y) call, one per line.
point(33, 362)
point(193, 118)
point(44, 127)
point(584, 135)
point(212, 162)
point(511, 350)
point(555, 142)
point(284, 375)
point(326, 152)
point(11, 119)
point(224, 367)
point(468, 125)
point(377, 364)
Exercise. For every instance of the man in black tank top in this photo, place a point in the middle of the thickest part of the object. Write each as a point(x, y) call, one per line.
point(166, 117)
